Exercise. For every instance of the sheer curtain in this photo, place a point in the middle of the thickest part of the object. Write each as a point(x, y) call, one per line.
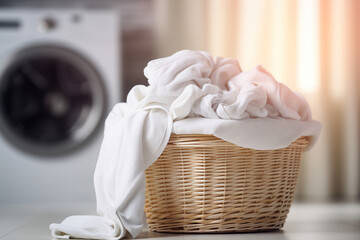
point(310, 45)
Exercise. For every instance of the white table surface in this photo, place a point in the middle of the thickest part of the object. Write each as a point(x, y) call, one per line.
point(305, 221)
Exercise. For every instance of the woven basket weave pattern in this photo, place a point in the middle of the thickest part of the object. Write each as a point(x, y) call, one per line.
point(201, 183)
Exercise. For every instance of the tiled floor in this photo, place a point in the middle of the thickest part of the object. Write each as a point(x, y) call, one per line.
point(305, 221)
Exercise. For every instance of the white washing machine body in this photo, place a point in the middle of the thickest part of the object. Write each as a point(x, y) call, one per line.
point(65, 172)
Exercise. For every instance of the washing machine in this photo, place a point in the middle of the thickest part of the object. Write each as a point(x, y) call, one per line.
point(60, 75)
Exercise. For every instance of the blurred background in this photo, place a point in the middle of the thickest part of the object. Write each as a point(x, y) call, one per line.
point(64, 64)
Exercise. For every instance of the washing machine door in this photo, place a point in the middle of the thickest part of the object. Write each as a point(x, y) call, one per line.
point(51, 100)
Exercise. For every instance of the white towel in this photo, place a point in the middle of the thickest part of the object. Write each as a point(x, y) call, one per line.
point(188, 92)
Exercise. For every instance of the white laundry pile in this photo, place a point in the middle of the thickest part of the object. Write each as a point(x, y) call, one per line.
point(188, 92)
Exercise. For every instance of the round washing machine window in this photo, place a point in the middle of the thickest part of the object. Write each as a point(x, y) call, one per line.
point(51, 100)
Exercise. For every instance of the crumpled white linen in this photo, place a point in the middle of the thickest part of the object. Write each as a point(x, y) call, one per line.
point(188, 92)
point(120, 182)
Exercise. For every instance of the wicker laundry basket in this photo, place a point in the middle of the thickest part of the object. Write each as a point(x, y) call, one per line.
point(204, 184)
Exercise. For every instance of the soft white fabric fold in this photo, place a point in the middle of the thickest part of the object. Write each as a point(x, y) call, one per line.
point(93, 227)
point(273, 133)
point(120, 183)
point(188, 92)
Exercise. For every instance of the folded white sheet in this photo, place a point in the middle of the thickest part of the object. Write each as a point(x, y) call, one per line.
point(255, 133)
point(188, 92)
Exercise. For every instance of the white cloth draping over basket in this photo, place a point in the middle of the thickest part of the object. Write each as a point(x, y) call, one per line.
point(188, 92)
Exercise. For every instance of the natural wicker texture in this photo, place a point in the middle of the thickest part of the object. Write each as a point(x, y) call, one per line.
point(203, 184)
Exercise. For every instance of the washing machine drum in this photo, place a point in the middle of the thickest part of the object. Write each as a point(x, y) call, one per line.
point(52, 100)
